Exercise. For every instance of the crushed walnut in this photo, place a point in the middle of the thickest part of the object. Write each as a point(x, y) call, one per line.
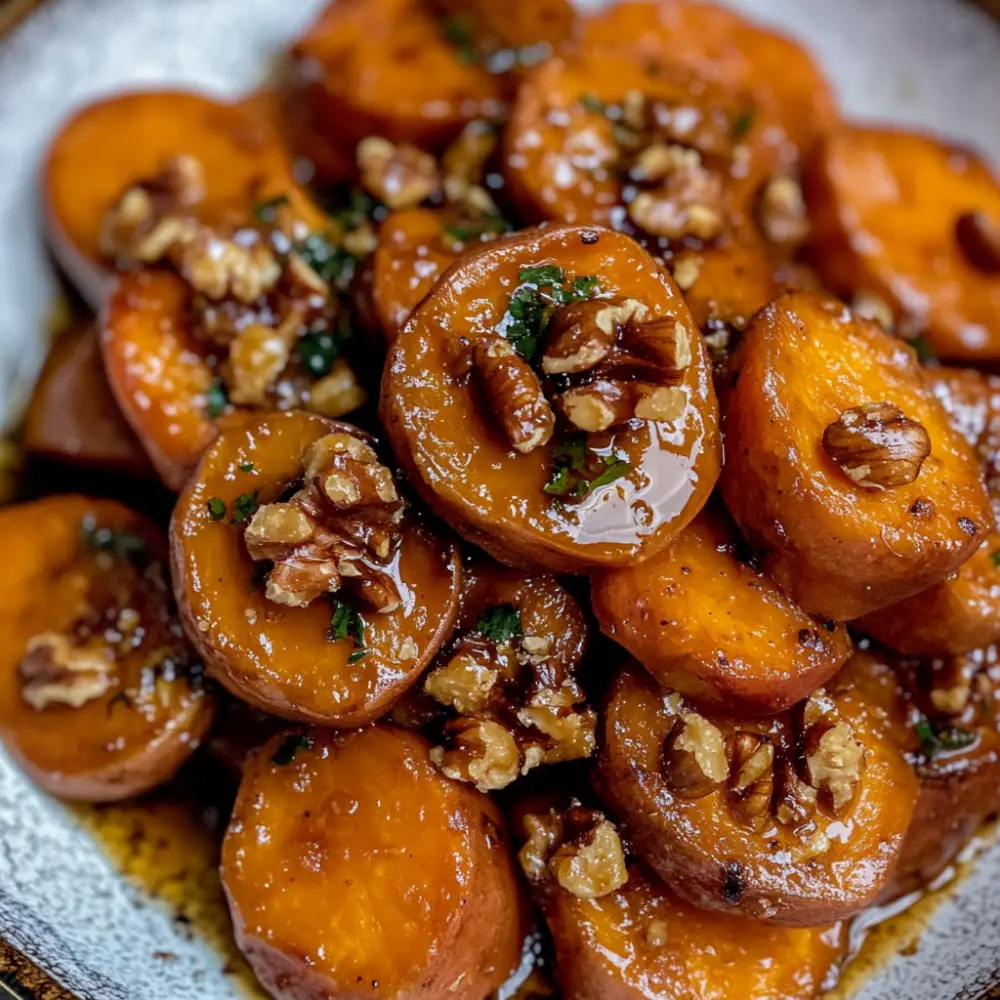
point(54, 671)
point(781, 212)
point(876, 446)
point(342, 529)
point(400, 175)
point(834, 761)
point(694, 756)
point(578, 849)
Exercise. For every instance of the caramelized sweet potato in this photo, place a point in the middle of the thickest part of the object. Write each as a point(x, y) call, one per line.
point(508, 678)
point(912, 220)
point(72, 416)
point(636, 451)
point(101, 697)
point(354, 869)
point(705, 622)
point(306, 499)
point(797, 820)
point(385, 68)
point(112, 144)
point(841, 466)
point(642, 942)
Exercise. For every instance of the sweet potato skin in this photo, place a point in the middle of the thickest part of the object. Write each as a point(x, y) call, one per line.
point(73, 417)
point(838, 550)
point(279, 659)
point(131, 738)
point(458, 461)
point(643, 942)
point(884, 206)
point(114, 143)
point(427, 901)
point(699, 847)
point(714, 628)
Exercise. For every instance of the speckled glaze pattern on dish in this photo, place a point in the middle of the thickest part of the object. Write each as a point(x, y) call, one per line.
point(930, 63)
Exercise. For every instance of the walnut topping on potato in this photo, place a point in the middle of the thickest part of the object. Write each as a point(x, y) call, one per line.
point(781, 212)
point(694, 756)
point(55, 671)
point(834, 762)
point(401, 175)
point(877, 446)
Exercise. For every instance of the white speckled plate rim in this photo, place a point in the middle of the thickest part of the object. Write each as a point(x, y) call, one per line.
point(930, 63)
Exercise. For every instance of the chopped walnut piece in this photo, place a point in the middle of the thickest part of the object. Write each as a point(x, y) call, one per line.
point(576, 340)
point(694, 756)
point(257, 357)
point(874, 307)
point(978, 237)
point(661, 403)
point(337, 393)
point(217, 266)
point(400, 175)
point(834, 760)
point(480, 751)
point(464, 682)
point(687, 268)
point(467, 156)
point(751, 779)
point(781, 212)
point(592, 864)
point(54, 671)
point(953, 700)
point(688, 203)
point(613, 315)
point(545, 832)
point(514, 394)
point(554, 712)
point(597, 406)
point(876, 446)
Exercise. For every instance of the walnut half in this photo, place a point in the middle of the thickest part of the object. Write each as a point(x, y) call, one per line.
point(54, 671)
point(694, 757)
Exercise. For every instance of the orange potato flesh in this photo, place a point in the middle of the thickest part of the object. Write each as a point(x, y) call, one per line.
point(707, 855)
point(356, 870)
point(72, 416)
point(155, 710)
point(278, 658)
point(458, 460)
point(384, 67)
point(642, 942)
point(716, 43)
point(109, 145)
point(158, 371)
point(884, 207)
point(714, 628)
point(838, 549)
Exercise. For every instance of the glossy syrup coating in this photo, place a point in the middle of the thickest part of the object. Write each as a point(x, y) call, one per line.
point(280, 658)
point(73, 417)
point(962, 612)
point(774, 850)
point(114, 143)
point(101, 696)
point(384, 68)
point(837, 546)
point(642, 942)
point(885, 209)
point(448, 439)
point(703, 619)
point(354, 869)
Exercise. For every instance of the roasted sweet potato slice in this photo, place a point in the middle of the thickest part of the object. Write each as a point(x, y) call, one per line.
point(795, 820)
point(466, 401)
point(72, 416)
point(286, 513)
point(355, 869)
point(507, 678)
point(388, 68)
point(841, 465)
point(917, 222)
point(963, 611)
point(112, 144)
point(703, 619)
point(101, 696)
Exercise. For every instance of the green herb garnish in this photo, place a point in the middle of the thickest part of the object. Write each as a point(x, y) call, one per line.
point(289, 747)
point(267, 211)
point(216, 400)
point(925, 353)
point(584, 287)
point(488, 225)
point(121, 544)
point(460, 32)
point(936, 739)
point(332, 263)
point(593, 104)
point(996, 558)
point(360, 208)
point(577, 471)
point(358, 654)
point(247, 467)
point(614, 468)
point(523, 322)
point(742, 123)
point(318, 350)
point(244, 507)
point(346, 623)
point(216, 508)
point(500, 623)
point(542, 274)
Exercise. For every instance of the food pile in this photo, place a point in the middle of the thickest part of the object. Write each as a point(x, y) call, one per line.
point(585, 469)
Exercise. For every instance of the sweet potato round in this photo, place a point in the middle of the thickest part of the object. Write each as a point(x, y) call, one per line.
point(279, 658)
point(839, 549)
point(449, 442)
point(707, 855)
point(354, 870)
point(114, 143)
point(710, 625)
point(79, 568)
point(642, 942)
point(73, 417)
point(885, 207)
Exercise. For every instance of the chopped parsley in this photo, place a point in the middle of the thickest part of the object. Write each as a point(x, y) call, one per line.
point(346, 623)
point(121, 544)
point(216, 400)
point(244, 507)
point(577, 471)
point(289, 747)
point(332, 263)
point(216, 508)
point(500, 623)
point(474, 229)
point(247, 467)
point(742, 123)
point(593, 104)
point(359, 209)
point(936, 739)
point(460, 32)
point(925, 353)
point(267, 211)
point(582, 288)
point(318, 349)
point(996, 558)
point(542, 274)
